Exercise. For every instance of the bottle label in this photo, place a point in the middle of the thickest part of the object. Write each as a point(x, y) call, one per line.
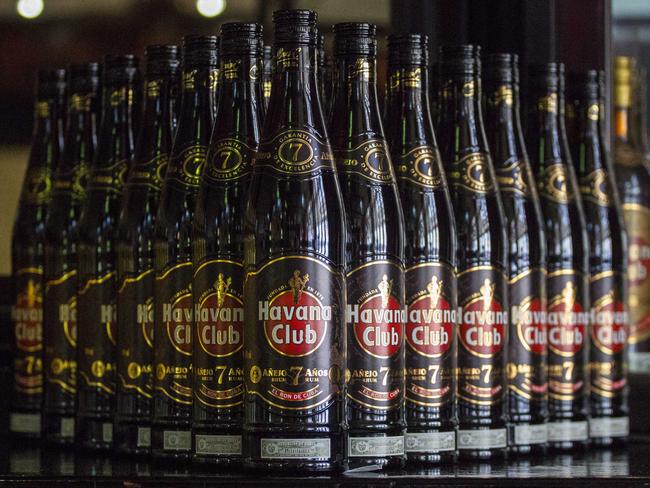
point(61, 337)
point(97, 313)
point(504, 94)
point(554, 184)
point(525, 434)
point(482, 439)
point(376, 446)
point(218, 445)
point(482, 333)
point(27, 315)
point(37, 186)
point(174, 320)
point(430, 441)
point(294, 152)
point(186, 166)
point(609, 329)
point(472, 173)
point(375, 318)
point(235, 70)
point(514, 176)
point(568, 431)
point(430, 334)
point(135, 348)
point(296, 311)
point(596, 188)
point(72, 182)
point(218, 360)
point(295, 449)
point(637, 223)
point(110, 179)
point(421, 166)
point(567, 329)
point(230, 159)
point(369, 159)
point(149, 174)
point(609, 427)
point(405, 77)
point(528, 337)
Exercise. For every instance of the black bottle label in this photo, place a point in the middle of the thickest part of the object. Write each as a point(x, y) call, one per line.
point(230, 159)
point(528, 336)
point(27, 315)
point(97, 313)
point(294, 152)
point(513, 176)
point(421, 166)
point(637, 223)
point(482, 334)
point(218, 361)
point(471, 173)
point(296, 311)
point(110, 179)
point(174, 318)
point(375, 318)
point(149, 174)
point(61, 340)
point(430, 334)
point(38, 185)
point(186, 166)
point(554, 184)
point(609, 329)
point(596, 188)
point(368, 159)
point(72, 182)
point(135, 345)
point(567, 335)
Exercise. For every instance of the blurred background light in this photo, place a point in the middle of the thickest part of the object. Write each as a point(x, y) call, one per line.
point(210, 8)
point(30, 9)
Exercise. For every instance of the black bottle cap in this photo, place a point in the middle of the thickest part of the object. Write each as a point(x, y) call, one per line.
point(241, 38)
point(355, 38)
point(584, 85)
point(544, 76)
point(462, 59)
point(162, 59)
point(602, 84)
point(500, 68)
point(51, 83)
point(120, 69)
point(408, 49)
point(83, 77)
point(200, 51)
point(295, 27)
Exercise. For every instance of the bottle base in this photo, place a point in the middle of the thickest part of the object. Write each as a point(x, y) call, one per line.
point(497, 454)
point(516, 450)
point(132, 437)
point(58, 429)
point(608, 442)
point(94, 433)
point(171, 442)
point(566, 446)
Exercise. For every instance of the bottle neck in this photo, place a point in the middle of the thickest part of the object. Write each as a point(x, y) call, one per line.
point(48, 122)
point(500, 109)
point(587, 113)
point(198, 87)
point(461, 120)
point(294, 100)
point(544, 128)
point(156, 128)
point(240, 107)
point(355, 109)
point(407, 105)
point(81, 130)
point(117, 124)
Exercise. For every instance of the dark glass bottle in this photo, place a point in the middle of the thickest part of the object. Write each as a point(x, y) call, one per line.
point(294, 292)
point(527, 348)
point(267, 74)
point(135, 254)
point(28, 254)
point(173, 302)
point(374, 255)
point(609, 421)
point(429, 255)
point(218, 249)
point(482, 258)
point(320, 73)
point(61, 261)
point(633, 179)
point(567, 262)
point(97, 296)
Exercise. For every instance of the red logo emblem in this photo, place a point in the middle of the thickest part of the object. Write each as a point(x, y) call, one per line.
point(566, 333)
point(28, 318)
point(482, 325)
point(220, 323)
point(531, 327)
point(178, 318)
point(295, 321)
point(609, 330)
point(377, 322)
point(430, 323)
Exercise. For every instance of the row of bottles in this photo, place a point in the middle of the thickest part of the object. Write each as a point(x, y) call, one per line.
point(399, 292)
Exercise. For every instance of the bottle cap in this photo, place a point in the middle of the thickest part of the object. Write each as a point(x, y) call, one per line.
point(295, 27)
point(500, 68)
point(355, 38)
point(83, 77)
point(51, 83)
point(462, 59)
point(584, 85)
point(162, 59)
point(545, 77)
point(121, 69)
point(408, 49)
point(200, 51)
point(239, 38)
